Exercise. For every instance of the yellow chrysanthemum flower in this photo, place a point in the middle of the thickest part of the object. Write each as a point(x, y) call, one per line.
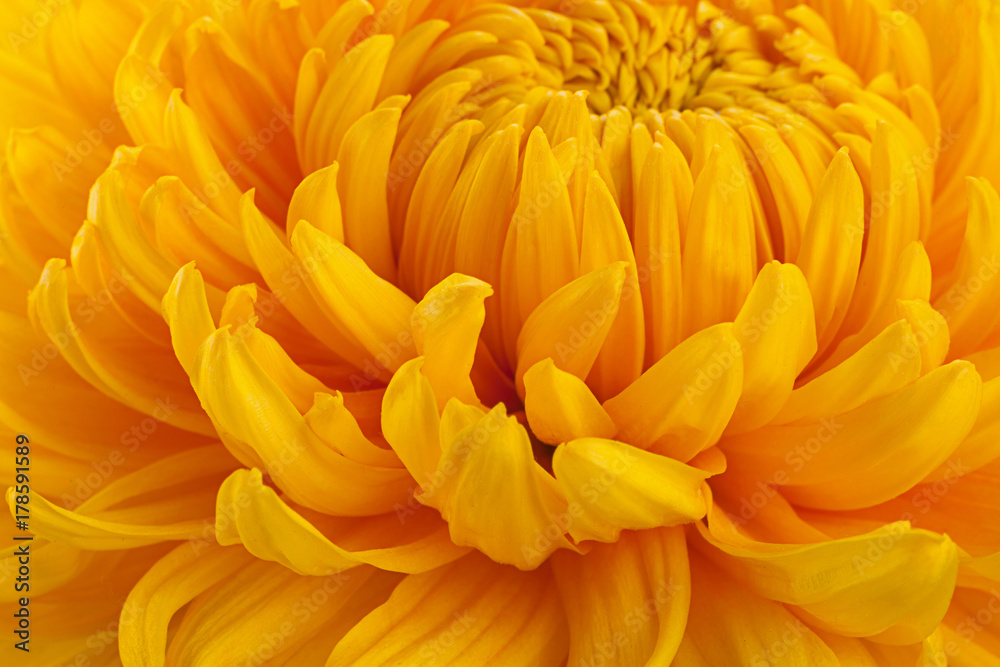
point(559, 332)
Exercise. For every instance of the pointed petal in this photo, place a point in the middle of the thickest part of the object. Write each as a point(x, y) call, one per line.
point(719, 268)
point(886, 364)
point(175, 580)
point(330, 419)
point(831, 245)
point(364, 169)
point(872, 453)
point(489, 465)
point(410, 421)
point(895, 222)
point(446, 326)
point(264, 429)
point(247, 613)
point(658, 254)
point(348, 287)
point(776, 329)
point(316, 201)
point(572, 324)
point(860, 586)
point(681, 405)
point(546, 249)
point(614, 486)
point(560, 407)
point(605, 240)
point(252, 514)
point(969, 304)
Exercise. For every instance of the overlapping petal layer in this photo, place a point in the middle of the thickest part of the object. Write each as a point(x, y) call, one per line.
point(457, 333)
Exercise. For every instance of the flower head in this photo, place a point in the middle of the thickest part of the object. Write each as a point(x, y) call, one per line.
point(587, 332)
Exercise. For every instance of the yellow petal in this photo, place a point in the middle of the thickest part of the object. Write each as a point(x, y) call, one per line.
point(895, 222)
point(560, 406)
point(681, 405)
point(967, 641)
point(969, 304)
point(446, 325)
point(910, 280)
point(777, 331)
point(626, 601)
point(489, 465)
point(433, 185)
point(872, 453)
point(185, 309)
point(605, 240)
point(473, 611)
point(364, 165)
point(175, 580)
point(728, 624)
point(264, 429)
point(615, 486)
point(831, 245)
point(316, 200)
point(719, 265)
point(249, 612)
point(542, 235)
point(886, 364)
point(198, 160)
point(960, 502)
point(187, 230)
point(571, 325)
point(410, 421)
point(347, 94)
point(110, 369)
point(252, 514)
point(287, 277)
point(330, 419)
point(348, 288)
point(930, 329)
point(658, 253)
point(124, 514)
point(788, 185)
point(982, 444)
point(860, 586)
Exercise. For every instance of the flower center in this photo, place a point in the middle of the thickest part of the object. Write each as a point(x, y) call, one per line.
point(640, 56)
